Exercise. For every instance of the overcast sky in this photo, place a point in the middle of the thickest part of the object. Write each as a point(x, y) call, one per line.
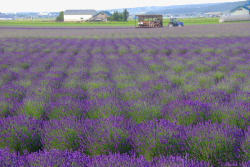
point(61, 5)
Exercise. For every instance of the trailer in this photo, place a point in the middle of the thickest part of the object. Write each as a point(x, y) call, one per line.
point(149, 21)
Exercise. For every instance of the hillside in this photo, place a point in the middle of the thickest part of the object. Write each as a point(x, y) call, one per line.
point(184, 9)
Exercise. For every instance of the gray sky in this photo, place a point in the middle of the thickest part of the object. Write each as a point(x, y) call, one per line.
point(61, 5)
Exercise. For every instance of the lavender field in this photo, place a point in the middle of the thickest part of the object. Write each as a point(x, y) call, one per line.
point(125, 102)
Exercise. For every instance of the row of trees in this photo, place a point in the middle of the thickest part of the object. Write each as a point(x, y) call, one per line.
point(116, 16)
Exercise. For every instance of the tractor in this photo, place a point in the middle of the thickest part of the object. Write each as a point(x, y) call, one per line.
point(175, 23)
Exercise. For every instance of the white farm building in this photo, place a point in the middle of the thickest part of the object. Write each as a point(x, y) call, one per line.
point(78, 15)
point(241, 10)
point(241, 13)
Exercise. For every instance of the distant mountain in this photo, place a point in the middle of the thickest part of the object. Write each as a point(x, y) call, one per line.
point(184, 9)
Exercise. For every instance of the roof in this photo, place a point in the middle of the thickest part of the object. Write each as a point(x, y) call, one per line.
point(106, 12)
point(80, 12)
point(247, 4)
point(148, 16)
point(245, 7)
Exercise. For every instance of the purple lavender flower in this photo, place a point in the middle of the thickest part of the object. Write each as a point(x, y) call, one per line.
point(20, 133)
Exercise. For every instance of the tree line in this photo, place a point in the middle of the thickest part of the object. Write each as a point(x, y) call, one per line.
point(116, 16)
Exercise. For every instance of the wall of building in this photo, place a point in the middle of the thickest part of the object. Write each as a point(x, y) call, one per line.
point(76, 17)
point(234, 18)
point(240, 12)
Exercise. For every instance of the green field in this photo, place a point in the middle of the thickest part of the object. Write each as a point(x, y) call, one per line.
point(131, 22)
point(187, 21)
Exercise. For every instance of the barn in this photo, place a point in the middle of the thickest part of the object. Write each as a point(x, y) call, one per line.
point(78, 15)
point(101, 16)
point(241, 10)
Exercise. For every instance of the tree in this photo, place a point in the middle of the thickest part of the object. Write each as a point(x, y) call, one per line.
point(60, 17)
point(116, 16)
point(125, 15)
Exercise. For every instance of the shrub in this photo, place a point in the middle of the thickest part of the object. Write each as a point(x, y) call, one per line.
point(186, 112)
point(152, 139)
point(214, 143)
point(20, 133)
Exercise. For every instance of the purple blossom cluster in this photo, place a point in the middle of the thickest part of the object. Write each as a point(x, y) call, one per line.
point(124, 102)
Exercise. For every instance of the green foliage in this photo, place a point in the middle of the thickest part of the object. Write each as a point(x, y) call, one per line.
point(5, 108)
point(121, 52)
point(189, 87)
point(225, 86)
point(60, 18)
point(132, 94)
point(24, 65)
point(197, 50)
point(71, 139)
point(200, 68)
point(115, 141)
point(95, 85)
point(239, 75)
point(16, 94)
point(155, 67)
point(210, 50)
point(154, 147)
point(206, 81)
point(34, 108)
point(144, 78)
point(219, 75)
point(143, 111)
point(243, 67)
point(65, 110)
point(104, 111)
point(224, 68)
point(125, 15)
point(122, 77)
point(209, 144)
point(246, 147)
point(151, 51)
point(177, 80)
point(125, 84)
point(116, 16)
point(183, 51)
point(6, 77)
point(166, 52)
point(20, 139)
point(147, 58)
point(25, 83)
point(178, 68)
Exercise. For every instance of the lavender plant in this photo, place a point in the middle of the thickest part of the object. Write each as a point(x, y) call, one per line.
point(21, 133)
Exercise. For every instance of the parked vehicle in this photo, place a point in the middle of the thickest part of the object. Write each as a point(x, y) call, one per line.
point(175, 23)
point(149, 21)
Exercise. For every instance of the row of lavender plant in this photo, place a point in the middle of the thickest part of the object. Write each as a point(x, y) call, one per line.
point(182, 97)
point(216, 144)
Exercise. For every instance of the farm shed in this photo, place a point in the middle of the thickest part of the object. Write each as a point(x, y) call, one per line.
point(101, 16)
point(241, 10)
point(78, 15)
